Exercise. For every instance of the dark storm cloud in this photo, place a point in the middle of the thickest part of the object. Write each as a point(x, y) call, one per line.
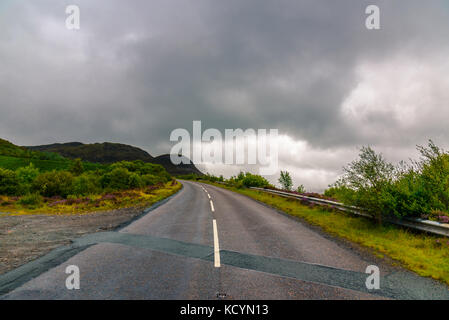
point(137, 70)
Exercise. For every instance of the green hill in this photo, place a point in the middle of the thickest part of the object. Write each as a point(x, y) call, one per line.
point(13, 157)
point(97, 152)
point(108, 152)
point(9, 149)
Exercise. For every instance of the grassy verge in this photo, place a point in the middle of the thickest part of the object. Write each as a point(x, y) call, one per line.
point(115, 200)
point(424, 254)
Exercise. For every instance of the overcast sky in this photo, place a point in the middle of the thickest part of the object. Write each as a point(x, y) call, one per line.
point(136, 70)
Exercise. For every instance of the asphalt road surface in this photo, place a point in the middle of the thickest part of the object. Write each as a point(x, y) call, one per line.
point(209, 243)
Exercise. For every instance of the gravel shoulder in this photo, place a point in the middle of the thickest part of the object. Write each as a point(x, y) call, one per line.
point(27, 237)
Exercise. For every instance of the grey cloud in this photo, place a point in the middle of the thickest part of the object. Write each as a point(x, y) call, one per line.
point(135, 71)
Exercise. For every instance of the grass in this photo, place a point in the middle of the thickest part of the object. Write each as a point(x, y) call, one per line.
point(424, 254)
point(115, 200)
point(13, 163)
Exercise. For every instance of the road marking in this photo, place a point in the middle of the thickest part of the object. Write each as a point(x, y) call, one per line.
point(208, 195)
point(216, 245)
point(212, 206)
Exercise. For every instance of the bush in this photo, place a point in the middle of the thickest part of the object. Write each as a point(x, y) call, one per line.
point(117, 179)
point(26, 176)
point(150, 180)
point(31, 200)
point(143, 168)
point(54, 183)
point(370, 177)
point(77, 167)
point(118, 176)
point(87, 183)
point(248, 180)
point(9, 182)
point(378, 187)
point(340, 193)
point(135, 181)
point(253, 180)
point(301, 189)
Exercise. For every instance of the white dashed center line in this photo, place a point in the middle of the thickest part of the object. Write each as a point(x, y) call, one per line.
point(214, 226)
point(216, 245)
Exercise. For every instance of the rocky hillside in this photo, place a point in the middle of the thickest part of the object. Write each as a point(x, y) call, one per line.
point(112, 152)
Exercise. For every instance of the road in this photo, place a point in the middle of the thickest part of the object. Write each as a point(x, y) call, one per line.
point(210, 243)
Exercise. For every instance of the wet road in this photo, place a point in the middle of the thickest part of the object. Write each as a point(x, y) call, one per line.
point(209, 243)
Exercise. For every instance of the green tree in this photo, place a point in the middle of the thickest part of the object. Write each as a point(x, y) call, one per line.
point(77, 167)
point(26, 176)
point(371, 177)
point(286, 180)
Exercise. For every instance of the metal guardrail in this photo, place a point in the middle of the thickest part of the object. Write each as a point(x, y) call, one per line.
point(433, 227)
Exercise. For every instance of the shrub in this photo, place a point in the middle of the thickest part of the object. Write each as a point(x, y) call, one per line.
point(117, 179)
point(248, 180)
point(31, 200)
point(86, 183)
point(419, 189)
point(150, 180)
point(143, 168)
point(239, 184)
point(340, 193)
point(135, 181)
point(434, 176)
point(26, 176)
point(54, 183)
point(9, 182)
point(77, 167)
point(370, 177)
point(253, 180)
point(301, 189)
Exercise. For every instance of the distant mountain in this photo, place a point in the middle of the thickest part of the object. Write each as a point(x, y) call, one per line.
point(179, 169)
point(108, 152)
point(97, 152)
